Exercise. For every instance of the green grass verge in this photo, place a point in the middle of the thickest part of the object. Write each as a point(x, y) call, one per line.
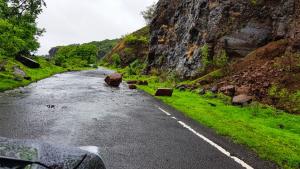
point(273, 134)
point(8, 80)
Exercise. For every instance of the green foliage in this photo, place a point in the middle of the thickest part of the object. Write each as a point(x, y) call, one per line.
point(149, 13)
point(8, 79)
point(18, 30)
point(135, 68)
point(116, 59)
point(253, 2)
point(221, 59)
point(135, 40)
point(76, 55)
point(288, 100)
point(104, 46)
point(205, 56)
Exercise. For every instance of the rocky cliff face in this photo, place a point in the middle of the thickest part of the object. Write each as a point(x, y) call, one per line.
point(180, 28)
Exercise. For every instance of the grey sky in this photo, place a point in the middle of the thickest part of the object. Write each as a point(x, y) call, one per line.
point(78, 21)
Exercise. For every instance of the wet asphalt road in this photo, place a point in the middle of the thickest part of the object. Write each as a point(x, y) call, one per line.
point(78, 109)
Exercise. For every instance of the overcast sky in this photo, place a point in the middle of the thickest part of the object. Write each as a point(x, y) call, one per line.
point(78, 21)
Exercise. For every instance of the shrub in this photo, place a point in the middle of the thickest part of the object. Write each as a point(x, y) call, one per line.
point(221, 59)
point(135, 40)
point(59, 60)
point(136, 68)
point(116, 59)
point(205, 56)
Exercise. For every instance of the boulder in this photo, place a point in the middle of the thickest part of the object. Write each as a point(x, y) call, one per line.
point(114, 79)
point(28, 62)
point(132, 82)
point(243, 41)
point(228, 90)
point(20, 74)
point(132, 86)
point(164, 92)
point(242, 100)
point(143, 83)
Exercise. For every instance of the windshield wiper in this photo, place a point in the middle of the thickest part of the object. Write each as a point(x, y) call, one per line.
point(12, 162)
point(20, 164)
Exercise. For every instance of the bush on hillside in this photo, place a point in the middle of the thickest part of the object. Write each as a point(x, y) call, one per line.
point(135, 40)
point(76, 55)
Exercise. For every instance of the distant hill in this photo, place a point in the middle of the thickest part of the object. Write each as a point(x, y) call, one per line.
point(103, 47)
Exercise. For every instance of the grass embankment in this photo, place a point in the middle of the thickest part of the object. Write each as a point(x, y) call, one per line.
point(273, 134)
point(9, 81)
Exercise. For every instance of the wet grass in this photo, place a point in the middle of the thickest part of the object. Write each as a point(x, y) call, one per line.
point(9, 81)
point(273, 134)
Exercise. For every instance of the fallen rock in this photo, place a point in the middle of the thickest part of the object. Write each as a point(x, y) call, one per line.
point(132, 82)
point(28, 62)
point(132, 86)
point(143, 83)
point(214, 89)
point(114, 79)
point(242, 100)
point(164, 92)
point(20, 74)
point(181, 87)
point(228, 90)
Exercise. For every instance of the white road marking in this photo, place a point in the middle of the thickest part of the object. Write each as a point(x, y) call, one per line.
point(221, 149)
point(167, 113)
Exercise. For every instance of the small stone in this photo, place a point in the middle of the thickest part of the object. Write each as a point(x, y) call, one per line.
point(132, 86)
point(228, 90)
point(214, 89)
point(143, 83)
point(132, 82)
point(242, 100)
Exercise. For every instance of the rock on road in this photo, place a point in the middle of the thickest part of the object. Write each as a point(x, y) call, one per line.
point(78, 109)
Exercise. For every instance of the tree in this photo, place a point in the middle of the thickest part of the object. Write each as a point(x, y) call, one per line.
point(18, 28)
point(149, 13)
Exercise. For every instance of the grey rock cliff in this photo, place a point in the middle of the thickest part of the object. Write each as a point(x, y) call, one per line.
point(180, 28)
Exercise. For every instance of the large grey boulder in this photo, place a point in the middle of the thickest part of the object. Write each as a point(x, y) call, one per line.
point(247, 39)
point(20, 74)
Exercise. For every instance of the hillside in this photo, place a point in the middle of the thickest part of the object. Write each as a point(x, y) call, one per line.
point(81, 54)
point(132, 47)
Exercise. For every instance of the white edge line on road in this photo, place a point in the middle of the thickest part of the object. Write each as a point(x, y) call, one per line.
point(221, 149)
point(168, 114)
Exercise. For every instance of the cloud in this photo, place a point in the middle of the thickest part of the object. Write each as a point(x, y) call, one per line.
point(79, 21)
